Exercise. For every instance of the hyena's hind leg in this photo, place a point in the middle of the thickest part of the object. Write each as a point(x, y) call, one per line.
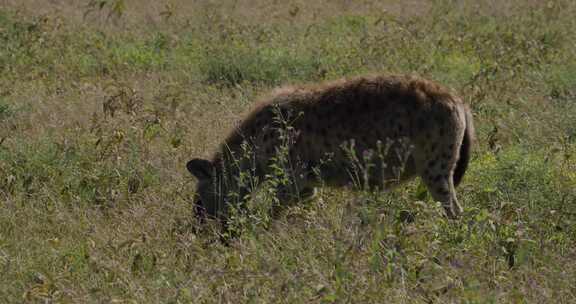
point(437, 172)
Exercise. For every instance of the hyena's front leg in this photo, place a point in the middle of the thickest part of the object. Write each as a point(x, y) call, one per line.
point(300, 188)
point(290, 195)
point(287, 196)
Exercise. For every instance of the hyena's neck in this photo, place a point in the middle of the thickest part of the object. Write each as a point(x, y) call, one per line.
point(236, 166)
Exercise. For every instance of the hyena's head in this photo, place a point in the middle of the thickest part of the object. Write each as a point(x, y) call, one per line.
point(207, 196)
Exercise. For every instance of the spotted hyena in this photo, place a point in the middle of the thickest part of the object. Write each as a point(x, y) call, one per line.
point(385, 129)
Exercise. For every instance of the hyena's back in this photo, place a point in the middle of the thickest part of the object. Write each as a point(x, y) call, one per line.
point(429, 129)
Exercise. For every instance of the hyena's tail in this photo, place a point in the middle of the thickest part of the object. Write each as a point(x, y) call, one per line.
point(465, 148)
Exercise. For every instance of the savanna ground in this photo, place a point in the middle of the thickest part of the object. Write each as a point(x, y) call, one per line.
point(103, 102)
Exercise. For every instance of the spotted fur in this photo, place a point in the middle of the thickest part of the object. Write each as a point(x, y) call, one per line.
point(427, 132)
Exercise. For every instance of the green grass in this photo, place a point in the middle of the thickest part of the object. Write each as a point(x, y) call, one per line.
point(99, 115)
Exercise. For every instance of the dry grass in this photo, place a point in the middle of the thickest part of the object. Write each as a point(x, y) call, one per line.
point(95, 202)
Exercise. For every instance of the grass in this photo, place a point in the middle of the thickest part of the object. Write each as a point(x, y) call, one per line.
point(99, 112)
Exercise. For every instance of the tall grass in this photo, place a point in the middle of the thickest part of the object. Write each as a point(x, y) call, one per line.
point(98, 116)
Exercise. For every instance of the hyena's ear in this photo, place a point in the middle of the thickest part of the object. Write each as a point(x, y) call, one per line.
point(201, 168)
